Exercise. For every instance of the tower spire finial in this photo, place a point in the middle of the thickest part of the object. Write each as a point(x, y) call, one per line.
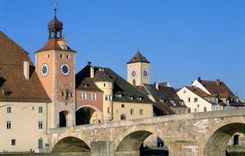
point(55, 4)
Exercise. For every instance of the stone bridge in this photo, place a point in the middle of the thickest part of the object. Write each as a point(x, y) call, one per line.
point(196, 134)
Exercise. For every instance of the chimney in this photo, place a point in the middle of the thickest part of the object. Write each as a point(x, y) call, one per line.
point(199, 79)
point(157, 85)
point(26, 69)
point(218, 82)
point(91, 72)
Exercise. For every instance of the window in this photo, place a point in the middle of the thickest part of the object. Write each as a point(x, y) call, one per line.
point(68, 56)
point(195, 99)
point(93, 96)
point(198, 107)
point(122, 105)
point(106, 97)
point(40, 125)
point(40, 143)
point(13, 142)
point(60, 55)
point(108, 109)
point(184, 91)
point(110, 97)
point(9, 125)
point(205, 109)
point(83, 96)
point(141, 111)
point(189, 99)
point(40, 109)
point(9, 110)
point(132, 111)
point(123, 117)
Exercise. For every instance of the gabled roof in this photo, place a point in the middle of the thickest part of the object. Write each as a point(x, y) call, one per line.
point(52, 44)
point(127, 92)
point(88, 85)
point(13, 84)
point(162, 108)
point(197, 91)
point(217, 87)
point(101, 76)
point(138, 57)
point(10, 52)
point(165, 94)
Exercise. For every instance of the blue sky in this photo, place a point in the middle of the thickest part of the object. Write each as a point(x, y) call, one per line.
point(183, 39)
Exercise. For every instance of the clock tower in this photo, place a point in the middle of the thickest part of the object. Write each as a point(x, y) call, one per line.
point(55, 63)
point(138, 70)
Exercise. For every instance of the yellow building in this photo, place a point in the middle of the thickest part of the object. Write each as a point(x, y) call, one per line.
point(121, 100)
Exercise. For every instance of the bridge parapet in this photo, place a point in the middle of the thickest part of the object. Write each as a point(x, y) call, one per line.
point(185, 133)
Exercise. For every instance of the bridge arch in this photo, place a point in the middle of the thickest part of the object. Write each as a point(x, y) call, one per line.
point(70, 144)
point(88, 114)
point(217, 142)
point(132, 139)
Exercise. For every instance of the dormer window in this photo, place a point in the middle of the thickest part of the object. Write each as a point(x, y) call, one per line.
point(118, 95)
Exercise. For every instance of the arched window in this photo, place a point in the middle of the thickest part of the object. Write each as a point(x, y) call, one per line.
point(62, 119)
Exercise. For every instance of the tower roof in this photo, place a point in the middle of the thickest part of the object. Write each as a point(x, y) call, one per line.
point(138, 57)
point(55, 25)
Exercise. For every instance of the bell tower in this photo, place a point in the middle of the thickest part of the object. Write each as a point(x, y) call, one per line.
point(55, 63)
point(138, 70)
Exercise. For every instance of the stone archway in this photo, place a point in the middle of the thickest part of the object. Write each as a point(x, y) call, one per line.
point(218, 142)
point(88, 115)
point(63, 118)
point(133, 144)
point(70, 144)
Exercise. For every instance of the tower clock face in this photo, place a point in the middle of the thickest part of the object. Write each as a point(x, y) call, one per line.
point(44, 69)
point(65, 69)
point(133, 74)
point(145, 73)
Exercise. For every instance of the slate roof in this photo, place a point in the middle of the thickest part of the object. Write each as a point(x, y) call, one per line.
point(52, 44)
point(13, 85)
point(164, 94)
point(138, 57)
point(101, 76)
point(122, 90)
point(88, 85)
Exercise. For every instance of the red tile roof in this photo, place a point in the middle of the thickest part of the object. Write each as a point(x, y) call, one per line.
point(197, 91)
point(52, 44)
point(13, 84)
point(217, 87)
